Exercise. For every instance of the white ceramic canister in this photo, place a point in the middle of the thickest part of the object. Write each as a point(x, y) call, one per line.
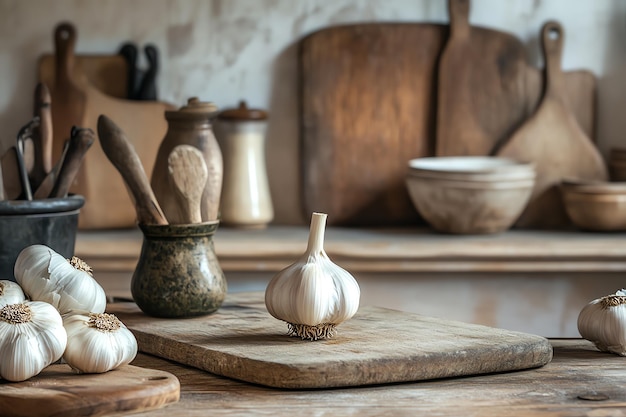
point(246, 200)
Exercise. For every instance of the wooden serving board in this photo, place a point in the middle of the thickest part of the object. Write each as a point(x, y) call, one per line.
point(368, 106)
point(377, 346)
point(58, 391)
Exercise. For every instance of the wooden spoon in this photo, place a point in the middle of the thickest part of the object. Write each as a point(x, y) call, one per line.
point(43, 135)
point(188, 175)
point(80, 142)
point(124, 158)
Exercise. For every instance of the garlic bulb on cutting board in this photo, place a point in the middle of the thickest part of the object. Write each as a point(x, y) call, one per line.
point(97, 342)
point(10, 293)
point(32, 337)
point(603, 322)
point(44, 275)
point(313, 295)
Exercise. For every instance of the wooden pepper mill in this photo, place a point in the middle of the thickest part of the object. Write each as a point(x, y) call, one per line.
point(246, 200)
point(190, 125)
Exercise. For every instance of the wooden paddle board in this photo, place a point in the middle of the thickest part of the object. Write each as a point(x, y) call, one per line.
point(377, 346)
point(58, 391)
point(368, 106)
point(553, 140)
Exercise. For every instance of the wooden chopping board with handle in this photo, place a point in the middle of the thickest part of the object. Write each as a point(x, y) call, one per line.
point(59, 391)
point(242, 341)
point(487, 89)
point(75, 102)
point(553, 140)
point(368, 106)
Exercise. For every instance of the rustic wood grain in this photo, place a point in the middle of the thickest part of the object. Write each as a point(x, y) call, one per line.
point(368, 106)
point(577, 371)
point(481, 87)
point(58, 391)
point(188, 175)
point(553, 140)
point(243, 341)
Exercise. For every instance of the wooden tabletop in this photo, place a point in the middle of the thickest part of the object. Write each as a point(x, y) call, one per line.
point(580, 381)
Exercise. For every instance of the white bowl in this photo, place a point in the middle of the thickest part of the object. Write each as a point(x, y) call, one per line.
point(471, 168)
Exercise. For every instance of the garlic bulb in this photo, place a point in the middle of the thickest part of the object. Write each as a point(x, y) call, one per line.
point(603, 322)
point(313, 295)
point(97, 342)
point(66, 284)
point(31, 337)
point(10, 293)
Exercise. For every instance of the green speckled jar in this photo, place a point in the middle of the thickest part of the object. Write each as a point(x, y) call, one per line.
point(178, 273)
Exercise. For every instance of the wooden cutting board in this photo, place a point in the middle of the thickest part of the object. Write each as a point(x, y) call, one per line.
point(553, 140)
point(481, 86)
point(368, 106)
point(58, 391)
point(75, 101)
point(377, 346)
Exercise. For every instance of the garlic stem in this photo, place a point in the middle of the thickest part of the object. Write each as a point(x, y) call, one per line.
point(316, 234)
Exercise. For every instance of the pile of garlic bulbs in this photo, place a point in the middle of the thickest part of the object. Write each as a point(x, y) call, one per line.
point(54, 311)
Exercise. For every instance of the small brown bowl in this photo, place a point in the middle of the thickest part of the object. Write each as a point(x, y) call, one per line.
point(596, 210)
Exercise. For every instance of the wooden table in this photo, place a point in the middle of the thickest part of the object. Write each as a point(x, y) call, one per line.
point(580, 381)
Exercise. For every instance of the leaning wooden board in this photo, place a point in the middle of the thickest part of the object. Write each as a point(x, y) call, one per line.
point(242, 341)
point(368, 106)
point(58, 391)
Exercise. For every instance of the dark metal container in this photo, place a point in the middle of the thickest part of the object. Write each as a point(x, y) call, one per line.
point(52, 222)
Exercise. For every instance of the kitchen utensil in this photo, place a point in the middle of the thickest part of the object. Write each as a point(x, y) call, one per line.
point(80, 142)
point(106, 72)
point(188, 174)
point(246, 199)
point(191, 125)
point(242, 341)
point(46, 186)
point(58, 390)
point(147, 88)
point(124, 158)
point(2, 192)
point(42, 136)
point(481, 88)
point(595, 207)
point(554, 142)
point(108, 205)
point(130, 54)
point(368, 106)
point(26, 159)
point(11, 179)
point(178, 273)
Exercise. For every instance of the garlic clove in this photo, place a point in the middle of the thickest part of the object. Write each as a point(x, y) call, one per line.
point(68, 285)
point(313, 295)
point(97, 342)
point(31, 338)
point(10, 293)
point(603, 322)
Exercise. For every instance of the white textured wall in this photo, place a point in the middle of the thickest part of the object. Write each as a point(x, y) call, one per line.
point(226, 50)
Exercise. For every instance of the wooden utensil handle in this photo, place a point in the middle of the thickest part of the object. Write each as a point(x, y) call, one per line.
point(553, 37)
point(459, 18)
point(80, 142)
point(43, 155)
point(124, 158)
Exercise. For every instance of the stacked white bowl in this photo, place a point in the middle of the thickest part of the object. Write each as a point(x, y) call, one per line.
point(470, 194)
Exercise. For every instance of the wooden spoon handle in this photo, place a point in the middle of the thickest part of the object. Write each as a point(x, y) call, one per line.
point(459, 18)
point(124, 158)
point(188, 175)
point(80, 142)
point(43, 147)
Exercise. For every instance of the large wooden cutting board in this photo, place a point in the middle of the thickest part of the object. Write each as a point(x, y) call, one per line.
point(377, 346)
point(58, 391)
point(554, 142)
point(368, 106)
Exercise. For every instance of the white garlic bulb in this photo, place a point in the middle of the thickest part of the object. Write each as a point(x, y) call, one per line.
point(313, 295)
point(97, 342)
point(31, 338)
point(603, 322)
point(66, 284)
point(10, 293)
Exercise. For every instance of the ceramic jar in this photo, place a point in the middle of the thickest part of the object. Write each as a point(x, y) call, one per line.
point(178, 273)
point(246, 200)
point(190, 125)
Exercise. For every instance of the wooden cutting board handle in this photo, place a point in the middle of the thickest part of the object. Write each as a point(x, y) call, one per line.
point(553, 38)
point(459, 18)
point(64, 43)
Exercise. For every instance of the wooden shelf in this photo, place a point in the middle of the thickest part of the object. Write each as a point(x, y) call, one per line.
point(384, 250)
